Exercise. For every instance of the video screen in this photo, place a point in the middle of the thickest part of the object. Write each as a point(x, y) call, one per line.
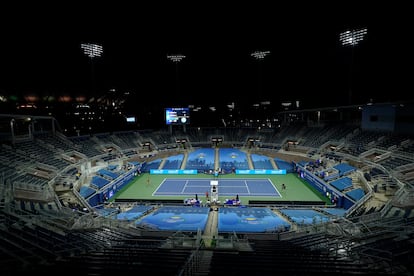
point(177, 115)
point(130, 119)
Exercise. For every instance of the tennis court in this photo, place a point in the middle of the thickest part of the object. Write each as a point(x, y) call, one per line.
point(226, 187)
point(252, 189)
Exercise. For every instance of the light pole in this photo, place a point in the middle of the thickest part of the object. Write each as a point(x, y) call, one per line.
point(351, 38)
point(260, 56)
point(176, 59)
point(92, 51)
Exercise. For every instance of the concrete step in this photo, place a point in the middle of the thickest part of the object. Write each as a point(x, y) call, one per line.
point(204, 263)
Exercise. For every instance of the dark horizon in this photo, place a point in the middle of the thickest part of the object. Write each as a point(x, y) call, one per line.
point(307, 61)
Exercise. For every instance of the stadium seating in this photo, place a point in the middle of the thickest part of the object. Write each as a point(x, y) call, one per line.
point(55, 234)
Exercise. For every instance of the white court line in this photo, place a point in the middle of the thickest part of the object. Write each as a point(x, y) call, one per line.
point(155, 191)
point(247, 187)
point(185, 185)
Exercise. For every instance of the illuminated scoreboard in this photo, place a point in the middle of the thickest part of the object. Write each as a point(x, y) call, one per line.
point(177, 116)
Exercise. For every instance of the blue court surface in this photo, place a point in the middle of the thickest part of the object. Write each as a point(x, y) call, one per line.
point(306, 216)
point(176, 218)
point(250, 220)
point(226, 187)
point(134, 213)
point(230, 219)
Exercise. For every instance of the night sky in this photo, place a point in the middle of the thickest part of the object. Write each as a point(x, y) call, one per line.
point(40, 53)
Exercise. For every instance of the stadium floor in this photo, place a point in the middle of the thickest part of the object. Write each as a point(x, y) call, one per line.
point(143, 188)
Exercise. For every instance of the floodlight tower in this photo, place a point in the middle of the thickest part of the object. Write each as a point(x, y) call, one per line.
point(351, 38)
point(176, 59)
point(260, 56)
point(93, 51)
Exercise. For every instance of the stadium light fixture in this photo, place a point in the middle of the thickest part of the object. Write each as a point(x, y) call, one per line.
point(260, 56)
point(176, 59)
point(92, 51)
point(351, 38)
